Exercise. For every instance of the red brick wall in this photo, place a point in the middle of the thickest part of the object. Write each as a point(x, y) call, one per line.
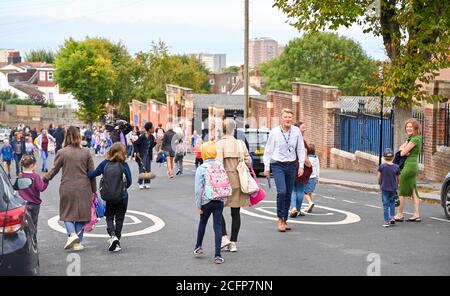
point(280, 100)
point(258, 113)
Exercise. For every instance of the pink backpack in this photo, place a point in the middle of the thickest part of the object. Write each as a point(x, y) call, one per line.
point(89, 226)
point(217, 184)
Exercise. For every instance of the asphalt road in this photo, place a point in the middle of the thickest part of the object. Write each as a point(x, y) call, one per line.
point(342, 237)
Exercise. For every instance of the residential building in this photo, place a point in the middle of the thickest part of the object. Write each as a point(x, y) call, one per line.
point(262, 50)
point(34, 79)
point(215, 63)
point(223, 83)
point(4, 54)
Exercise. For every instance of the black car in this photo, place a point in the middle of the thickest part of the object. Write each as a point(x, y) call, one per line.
point(256, 140)
point(445, 196)
point(18, 244)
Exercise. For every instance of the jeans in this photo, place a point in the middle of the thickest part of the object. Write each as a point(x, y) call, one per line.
point(297, 196)
point(180, 165)
point(129, 150)
point(235, 224)
point(17, 158)
point(44, 156)
point(198, 162)
point(215, 208)
point(148, 166)
point(284, 175)
point(115, 211)
point(388, 198)
point(33, 210)
point(75, 227)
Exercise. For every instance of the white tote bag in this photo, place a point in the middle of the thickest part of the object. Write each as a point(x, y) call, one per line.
point(248, 184)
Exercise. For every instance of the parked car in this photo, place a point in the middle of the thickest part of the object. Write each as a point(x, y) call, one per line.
point(256, 140)
point(445, 196)
point(4, 134)
point(18, 244)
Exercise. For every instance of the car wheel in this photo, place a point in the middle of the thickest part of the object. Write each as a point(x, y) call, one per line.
point(447, 202)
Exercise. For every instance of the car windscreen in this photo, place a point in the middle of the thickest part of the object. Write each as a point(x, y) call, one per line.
point(255, 138)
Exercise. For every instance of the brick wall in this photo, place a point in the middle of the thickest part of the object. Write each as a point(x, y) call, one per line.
point(277, 101)
point(258, 113)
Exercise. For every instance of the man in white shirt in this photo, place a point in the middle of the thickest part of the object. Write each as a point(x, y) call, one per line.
point(284, 146)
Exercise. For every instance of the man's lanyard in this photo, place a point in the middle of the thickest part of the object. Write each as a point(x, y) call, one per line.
point(289, 137)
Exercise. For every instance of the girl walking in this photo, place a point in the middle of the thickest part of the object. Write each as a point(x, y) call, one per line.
point(313, 179)
point(115, 210)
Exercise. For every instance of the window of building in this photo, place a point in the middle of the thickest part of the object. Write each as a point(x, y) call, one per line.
point(50, 76)
point(224, 88)
point(42, 76)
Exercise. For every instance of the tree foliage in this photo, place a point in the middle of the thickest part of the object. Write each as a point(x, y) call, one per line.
point(85, 69)
point(40, 55)
point(415, 35)
point(322, 58)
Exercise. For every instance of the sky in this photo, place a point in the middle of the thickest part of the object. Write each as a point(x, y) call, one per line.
point(186, 26)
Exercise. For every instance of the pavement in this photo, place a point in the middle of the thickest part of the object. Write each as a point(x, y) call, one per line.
point(342, 236)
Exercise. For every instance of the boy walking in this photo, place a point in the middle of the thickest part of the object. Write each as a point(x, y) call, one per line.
point(388, 178)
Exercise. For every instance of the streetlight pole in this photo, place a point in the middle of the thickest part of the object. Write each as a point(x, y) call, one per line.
point(246, 60)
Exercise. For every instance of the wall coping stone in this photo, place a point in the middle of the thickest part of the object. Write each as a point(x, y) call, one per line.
point(343, 153)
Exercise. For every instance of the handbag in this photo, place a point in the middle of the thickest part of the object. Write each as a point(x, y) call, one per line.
point(256, 197)
point(399, 160)
point(248, 184)
point(89, 225)
point(100, 207)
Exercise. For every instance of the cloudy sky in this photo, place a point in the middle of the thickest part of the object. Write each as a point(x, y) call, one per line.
point(186, 26)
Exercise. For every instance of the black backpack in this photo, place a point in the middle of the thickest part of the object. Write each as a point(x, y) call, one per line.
point(113, 182)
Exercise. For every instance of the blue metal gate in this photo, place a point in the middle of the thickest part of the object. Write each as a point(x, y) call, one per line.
point(361, 132)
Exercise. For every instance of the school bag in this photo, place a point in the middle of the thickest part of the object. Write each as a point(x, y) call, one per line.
point(113, 183)
point(217, 183)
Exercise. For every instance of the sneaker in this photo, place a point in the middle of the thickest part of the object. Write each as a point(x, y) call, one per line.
point(78, 247)
point(233, 247)
point(386, 224)
point(147, 186)
point(198, 251)
point(302, 213)
point(218, 260)
point(393, 222)
point(72, 239)
point(225, 245)
point(113, 242)
point(118, 248)
point(178, 173)
point(309, 208)
point(293, 213)
point(141, 186)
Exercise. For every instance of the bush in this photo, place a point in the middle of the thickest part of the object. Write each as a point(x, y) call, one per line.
point(17, 101)
point(6, 95)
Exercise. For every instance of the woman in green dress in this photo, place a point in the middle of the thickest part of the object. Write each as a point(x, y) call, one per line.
point(408, 186)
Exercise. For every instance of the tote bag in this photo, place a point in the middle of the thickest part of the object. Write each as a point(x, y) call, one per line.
point(258, 196)
point(248, 184)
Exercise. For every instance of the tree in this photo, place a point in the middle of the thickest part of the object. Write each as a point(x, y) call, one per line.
point(85, 69)
point(152, 71)
point(40, 55)
point(232, 69)
point(415, 35)
point(5, 96)
point(322, 58)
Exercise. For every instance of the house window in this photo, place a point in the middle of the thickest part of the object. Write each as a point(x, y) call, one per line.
point(50, 76)
point(211, 81)
point(234, 79)
point(42, 76)
point(224, 88)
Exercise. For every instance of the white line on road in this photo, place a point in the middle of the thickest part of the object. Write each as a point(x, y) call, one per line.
point(349, 201)
point(372, 206)
point(448, 221)
point(329, 197)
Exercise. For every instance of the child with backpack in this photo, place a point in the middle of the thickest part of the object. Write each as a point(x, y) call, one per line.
point(388, 178)
point(32, 195)
point(7, 155)
point(113, 189)
point(313, 179)
point(212, 187)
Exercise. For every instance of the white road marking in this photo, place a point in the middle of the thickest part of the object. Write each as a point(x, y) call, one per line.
point(372, 206)
point(349, 201)
point(448, 221)
point(349, 219)
point(158, 225)
point(328, 197)
point(133, 218)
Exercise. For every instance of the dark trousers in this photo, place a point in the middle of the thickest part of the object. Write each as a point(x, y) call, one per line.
point(17, 158)
point(198, 162)
point(33, 210)
point(148, 166)
point(215, 208)
point(284, 175)
point(235, 224)
point(115, 211)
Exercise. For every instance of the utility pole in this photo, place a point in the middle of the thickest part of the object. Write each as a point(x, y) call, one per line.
point(246, 61)
point(381, 128)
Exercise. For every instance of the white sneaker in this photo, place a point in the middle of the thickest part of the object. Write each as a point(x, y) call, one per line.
point(233, 247)
point(72, 239)
point(118, 248)
point(225, 243)
point(147, 186)
point(141, 186)
point(113, 242)
point(78, 247)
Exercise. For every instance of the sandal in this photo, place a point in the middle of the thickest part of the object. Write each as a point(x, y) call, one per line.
point(218, 260)
point(402, 219)
point(417, 219)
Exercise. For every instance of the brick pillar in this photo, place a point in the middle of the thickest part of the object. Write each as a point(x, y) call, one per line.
point(296, 106)
point(189, 115)
point(270, 110)
point(331, 106)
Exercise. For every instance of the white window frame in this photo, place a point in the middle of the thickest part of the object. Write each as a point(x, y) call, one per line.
point(50, 76)
point(42, 76)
